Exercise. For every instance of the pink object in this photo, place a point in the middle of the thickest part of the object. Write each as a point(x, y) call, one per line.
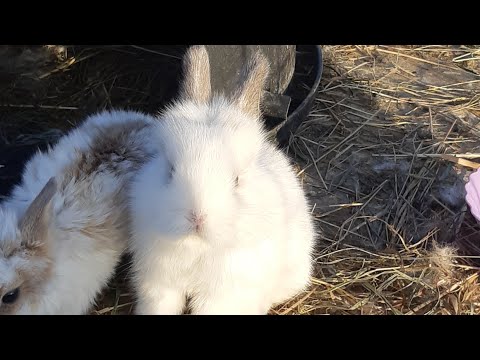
point(473, 194)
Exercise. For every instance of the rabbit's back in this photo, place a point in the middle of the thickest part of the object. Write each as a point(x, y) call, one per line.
point(113, 141)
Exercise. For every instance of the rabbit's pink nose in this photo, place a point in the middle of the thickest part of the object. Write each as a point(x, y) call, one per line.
point(197, 220)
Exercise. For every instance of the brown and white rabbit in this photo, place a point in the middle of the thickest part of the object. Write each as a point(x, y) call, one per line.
point(65, 226)
point(218, 215)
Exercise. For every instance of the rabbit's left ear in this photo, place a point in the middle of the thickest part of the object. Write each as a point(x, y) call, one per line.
point(34, 223)
point(248, 95)
point(196, 75)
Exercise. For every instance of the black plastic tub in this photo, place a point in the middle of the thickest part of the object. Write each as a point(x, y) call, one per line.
point(309, 68)
point(296, 74)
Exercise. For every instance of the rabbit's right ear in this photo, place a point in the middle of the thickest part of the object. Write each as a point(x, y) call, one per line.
point(34, 224)
point(196, 75)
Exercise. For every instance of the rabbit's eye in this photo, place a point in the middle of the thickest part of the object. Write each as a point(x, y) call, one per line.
point(236, 181)
point(172, 170)
point(11, 297)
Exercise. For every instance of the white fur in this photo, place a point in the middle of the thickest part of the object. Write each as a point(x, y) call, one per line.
point(256, 247)
point(82, 262)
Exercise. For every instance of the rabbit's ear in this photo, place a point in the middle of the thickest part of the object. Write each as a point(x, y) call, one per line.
point(196, 75)
point(34, 224)
point(250, 89)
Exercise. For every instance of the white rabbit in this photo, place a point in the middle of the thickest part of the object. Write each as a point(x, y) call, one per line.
point(65, 226)
point(219, 216)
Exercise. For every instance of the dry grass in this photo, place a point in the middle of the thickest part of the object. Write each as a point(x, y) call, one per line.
point(384, 157)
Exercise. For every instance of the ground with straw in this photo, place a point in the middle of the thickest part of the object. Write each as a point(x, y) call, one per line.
point(384, 156)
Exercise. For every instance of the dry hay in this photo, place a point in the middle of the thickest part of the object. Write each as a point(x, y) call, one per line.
point(384, 157)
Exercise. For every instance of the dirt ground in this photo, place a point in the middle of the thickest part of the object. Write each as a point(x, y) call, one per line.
point(384, 156)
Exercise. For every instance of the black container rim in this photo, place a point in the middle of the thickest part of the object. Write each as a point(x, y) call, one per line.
point(295, 119)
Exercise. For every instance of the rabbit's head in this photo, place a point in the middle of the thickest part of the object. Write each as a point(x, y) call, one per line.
point(211, 145)
point(24, 253)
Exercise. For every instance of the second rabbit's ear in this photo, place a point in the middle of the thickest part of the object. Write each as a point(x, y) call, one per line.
point(250, 89)
point(34, 223)
point(195, 85)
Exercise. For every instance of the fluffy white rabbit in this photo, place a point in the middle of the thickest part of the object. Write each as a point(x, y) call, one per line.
point(219, 217)
point(65, 225)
